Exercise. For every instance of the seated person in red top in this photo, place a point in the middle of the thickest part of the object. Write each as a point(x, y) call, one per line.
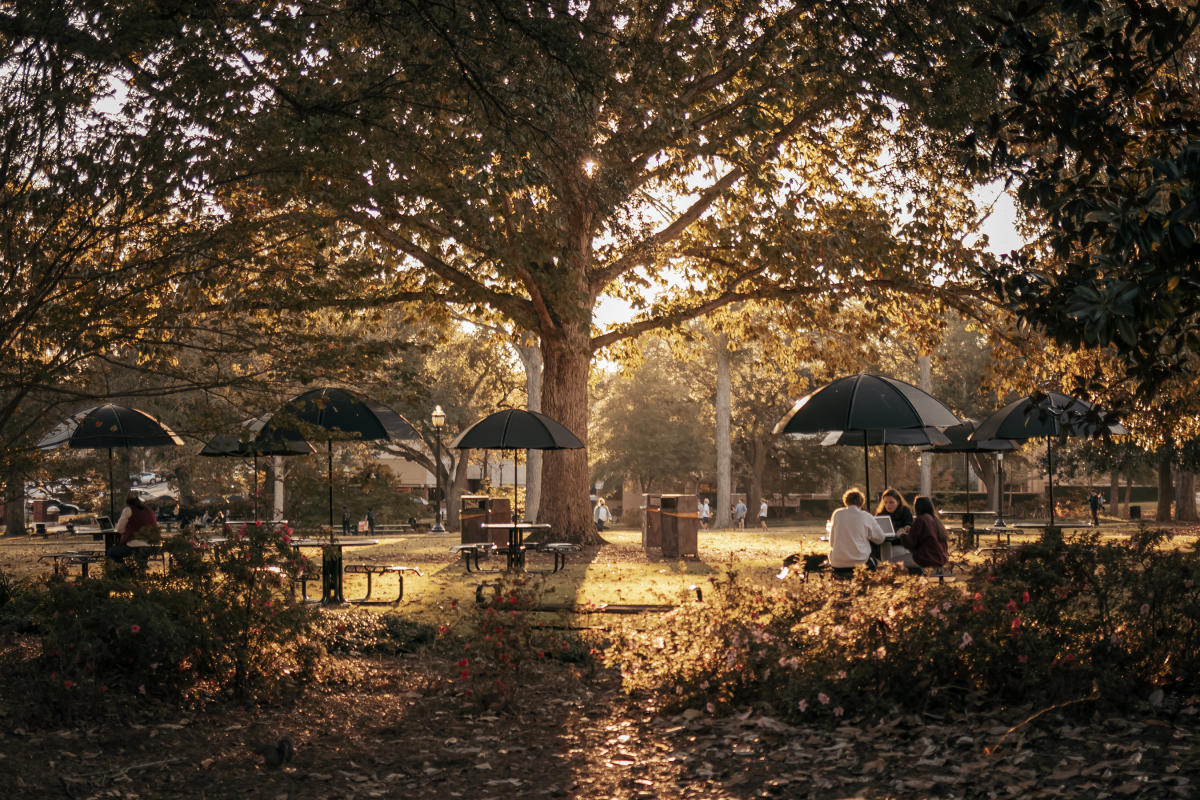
point(136, 519)
point(925, 542)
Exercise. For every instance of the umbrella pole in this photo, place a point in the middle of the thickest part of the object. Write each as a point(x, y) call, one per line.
point(112, 490)
point(516, 514)
point(329, 474)
point(967, 473)
point(885, 480)
point(1050, 469)
point(867, 469)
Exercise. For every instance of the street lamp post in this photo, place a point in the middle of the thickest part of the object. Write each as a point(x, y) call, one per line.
point(438, 419)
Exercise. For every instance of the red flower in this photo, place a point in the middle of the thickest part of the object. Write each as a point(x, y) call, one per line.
point(464, 675)
point(1025, 597)
point(1016, 623)
point(462, 662)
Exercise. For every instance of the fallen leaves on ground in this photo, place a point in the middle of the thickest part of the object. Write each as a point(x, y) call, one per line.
point(577, 735)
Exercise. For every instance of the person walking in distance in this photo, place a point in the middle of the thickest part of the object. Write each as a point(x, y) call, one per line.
point(601, 514)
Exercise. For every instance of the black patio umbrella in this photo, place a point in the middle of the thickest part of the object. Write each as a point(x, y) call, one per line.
point(106, 427)
point(226, 445)
point(516, 429)
point(341, 414)
point(1046, 415)
point(905, 437)
point(865, 403)
point(960, 441)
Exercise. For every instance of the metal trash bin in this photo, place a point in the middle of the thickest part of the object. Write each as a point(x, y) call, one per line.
point(1135, 512)
point(680, 525)
point(651, 520)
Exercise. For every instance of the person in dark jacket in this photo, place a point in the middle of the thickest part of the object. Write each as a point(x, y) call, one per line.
point(892, 503)
point(137, 519)
point(925, 542)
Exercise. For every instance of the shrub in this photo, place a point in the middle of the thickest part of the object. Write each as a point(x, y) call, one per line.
point(496, 642)
point(359, 632)
point(1054, 622)
point(223, 620)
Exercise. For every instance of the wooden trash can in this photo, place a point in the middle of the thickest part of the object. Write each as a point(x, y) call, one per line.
point(477, 509)
point(499, 509)
point(680, 526)
point(651, 521)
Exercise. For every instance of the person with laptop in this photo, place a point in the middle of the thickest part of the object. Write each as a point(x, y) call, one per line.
point(892, 503)
point(925, 543)
point(894, 516)
point(852, 530)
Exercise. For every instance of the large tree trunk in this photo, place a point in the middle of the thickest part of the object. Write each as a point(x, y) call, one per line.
point(724, 446)
point(531, 359)
point(1185, 496)
point(567, 357)
point(758, 465)
point(984, 465)
point(14, 502)
point(457, 484)
point(1164, 488)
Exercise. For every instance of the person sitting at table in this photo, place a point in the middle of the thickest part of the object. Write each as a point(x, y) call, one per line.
point(136, 517)
point(925, 543)
point(851, 532)
point(892, 503)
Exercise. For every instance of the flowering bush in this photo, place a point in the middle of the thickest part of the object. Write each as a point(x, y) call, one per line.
point(223, 619)
point(497, 642)
point(1053, 622)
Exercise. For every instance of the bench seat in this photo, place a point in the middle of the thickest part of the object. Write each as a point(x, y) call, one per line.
point(373, 569)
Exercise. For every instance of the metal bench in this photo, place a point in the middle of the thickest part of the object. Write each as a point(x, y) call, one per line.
point(471, 553)
point(370, 570)
point(81, 559)
point(560, 551)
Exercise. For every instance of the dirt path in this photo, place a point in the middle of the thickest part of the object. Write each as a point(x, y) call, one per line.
point(399, 731)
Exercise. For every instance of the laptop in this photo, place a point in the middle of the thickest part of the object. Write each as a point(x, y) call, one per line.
point(885, 524)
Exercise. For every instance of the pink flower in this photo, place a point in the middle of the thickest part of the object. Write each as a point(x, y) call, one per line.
point(802, 705)
point(1016, 623)
point(1011, 607)
point(823, 699)
point(967, 641)
point(135, 628)
point(838, 711)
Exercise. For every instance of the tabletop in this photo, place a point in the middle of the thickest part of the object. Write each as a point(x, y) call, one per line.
point(338, 542)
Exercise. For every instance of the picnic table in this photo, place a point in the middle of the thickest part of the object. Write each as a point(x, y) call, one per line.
point(73, 558)
point(514, 552)
point(331, 565)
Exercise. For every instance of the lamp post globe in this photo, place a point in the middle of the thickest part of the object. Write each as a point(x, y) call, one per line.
point(438, 420)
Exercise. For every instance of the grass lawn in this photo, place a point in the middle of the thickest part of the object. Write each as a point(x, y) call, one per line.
point(620, 573)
